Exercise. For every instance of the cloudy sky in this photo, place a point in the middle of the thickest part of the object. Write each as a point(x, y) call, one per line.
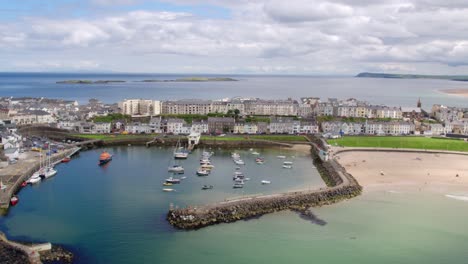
point(337, 37)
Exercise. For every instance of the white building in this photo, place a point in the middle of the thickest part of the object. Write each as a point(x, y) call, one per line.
point(101, 128)
point(138, 128)
point(176, 126)
point(140, 107)
point(200, 127)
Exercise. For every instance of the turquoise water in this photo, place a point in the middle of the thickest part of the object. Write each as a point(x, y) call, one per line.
point(116, 215)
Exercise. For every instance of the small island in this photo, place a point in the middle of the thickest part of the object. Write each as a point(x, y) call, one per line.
point(412, 76)
point(196, 79)
point(89, 81)
point(459, 92)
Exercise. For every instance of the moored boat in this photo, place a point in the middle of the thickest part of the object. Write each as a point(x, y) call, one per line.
point(239, 162)
point(104, 158)
point(287, 163)
point(168, 189)
point(49, 172)
point(266, 182)
point(14, 200)
point(207, 187)
point(287, 166)
point(176, 168)
point(172, 180)
point(167, 184)
point(238, 185)
point(66, 159)
point(202, 172)
point(281, 157)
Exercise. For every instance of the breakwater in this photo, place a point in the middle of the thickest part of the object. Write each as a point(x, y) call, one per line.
point(341, 186)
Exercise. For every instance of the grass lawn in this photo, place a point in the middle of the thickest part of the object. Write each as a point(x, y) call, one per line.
point(282, 138)
point(401, 142)
point(112, 137)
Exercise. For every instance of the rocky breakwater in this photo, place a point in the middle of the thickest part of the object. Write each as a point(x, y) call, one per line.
point(342, 186)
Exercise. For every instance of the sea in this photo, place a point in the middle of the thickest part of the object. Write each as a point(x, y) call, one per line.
point(392, 92)
point(116, 213)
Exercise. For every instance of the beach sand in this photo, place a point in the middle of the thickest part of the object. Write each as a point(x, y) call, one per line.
point(407, 171)
point(301, 148)
point(459, 92)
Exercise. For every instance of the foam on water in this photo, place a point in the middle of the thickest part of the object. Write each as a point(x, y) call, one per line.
point(457, 197)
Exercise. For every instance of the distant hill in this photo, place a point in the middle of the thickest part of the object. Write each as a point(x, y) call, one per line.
point(412, 76)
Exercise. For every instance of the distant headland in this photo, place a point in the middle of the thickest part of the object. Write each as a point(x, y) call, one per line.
point(463, 78)
point(196, 79)
point(89, 81)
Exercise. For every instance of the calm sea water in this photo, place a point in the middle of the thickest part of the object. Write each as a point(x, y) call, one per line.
point(109, 214)
point(396, 92)
point(116, 215)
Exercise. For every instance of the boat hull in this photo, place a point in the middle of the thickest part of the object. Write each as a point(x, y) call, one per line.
point(104, 161)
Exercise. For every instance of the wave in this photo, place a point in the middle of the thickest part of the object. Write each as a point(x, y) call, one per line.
point(457, 197)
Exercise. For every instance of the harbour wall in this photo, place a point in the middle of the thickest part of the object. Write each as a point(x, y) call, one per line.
point(16, 174)
point(341, 186)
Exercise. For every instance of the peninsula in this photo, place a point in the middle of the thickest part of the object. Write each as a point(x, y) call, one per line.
point(412, 76)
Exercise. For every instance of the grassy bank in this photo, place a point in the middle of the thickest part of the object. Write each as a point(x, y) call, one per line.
point(401, 142)
point(114, 137)
point(279, 138)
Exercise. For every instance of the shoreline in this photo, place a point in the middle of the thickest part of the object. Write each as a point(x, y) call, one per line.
point(457, 92)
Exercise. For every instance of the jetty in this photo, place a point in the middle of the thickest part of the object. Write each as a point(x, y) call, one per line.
point(14, 175)
point(340, 186)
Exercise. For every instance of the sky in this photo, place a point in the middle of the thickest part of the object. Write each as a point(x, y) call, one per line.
point(303, 37)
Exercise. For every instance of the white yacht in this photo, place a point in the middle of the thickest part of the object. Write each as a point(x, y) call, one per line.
point(176, 168)
point(239, 162)
point(202, 172)
point(49, 172)
point(266, 182)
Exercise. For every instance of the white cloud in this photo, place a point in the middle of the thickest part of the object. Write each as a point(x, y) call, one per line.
point(261, 36)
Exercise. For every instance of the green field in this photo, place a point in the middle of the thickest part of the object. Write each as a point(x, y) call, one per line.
point(105, 137)
point(401, 142)
point(280, 138)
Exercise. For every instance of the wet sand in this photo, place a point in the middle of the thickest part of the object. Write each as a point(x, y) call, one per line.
point(459, 92)
point(407, 171)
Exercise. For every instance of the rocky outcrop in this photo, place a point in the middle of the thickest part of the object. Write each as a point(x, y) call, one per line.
point(12, 255)
point(57, 254)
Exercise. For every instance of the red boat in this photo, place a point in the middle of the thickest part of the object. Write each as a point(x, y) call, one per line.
point(14, 200)
point(24, 184)
point(65, 160)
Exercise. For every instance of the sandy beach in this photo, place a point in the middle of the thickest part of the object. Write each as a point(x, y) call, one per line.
point(409, 171)
point(459, 92)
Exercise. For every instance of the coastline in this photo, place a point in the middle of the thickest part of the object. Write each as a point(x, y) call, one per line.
point(457, 92)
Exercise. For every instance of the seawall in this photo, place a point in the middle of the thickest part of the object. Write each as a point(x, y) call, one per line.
point(15, 175)
point(341, 186)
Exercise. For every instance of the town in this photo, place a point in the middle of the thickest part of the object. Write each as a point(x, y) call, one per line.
point(246, 116)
